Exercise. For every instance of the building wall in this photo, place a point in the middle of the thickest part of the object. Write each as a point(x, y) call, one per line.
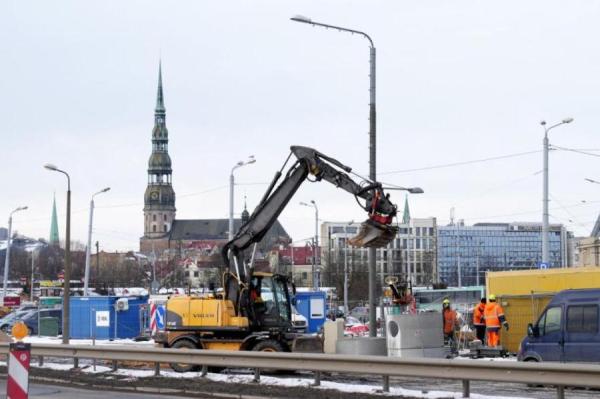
point(465, 253)
point(411, 256)
point(589, 251)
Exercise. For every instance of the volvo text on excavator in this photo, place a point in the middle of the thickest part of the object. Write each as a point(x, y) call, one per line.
point(254, 310)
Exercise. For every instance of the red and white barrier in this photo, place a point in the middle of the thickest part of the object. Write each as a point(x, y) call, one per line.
point(17, 385)
point(153, 326)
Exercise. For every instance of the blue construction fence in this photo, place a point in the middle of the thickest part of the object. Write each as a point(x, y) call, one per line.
point(108, 317)
point(313, 306)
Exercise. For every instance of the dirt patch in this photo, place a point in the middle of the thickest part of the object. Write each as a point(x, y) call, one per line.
point(192, 387)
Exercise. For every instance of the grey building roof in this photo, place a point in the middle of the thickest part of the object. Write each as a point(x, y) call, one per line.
point(217, 229)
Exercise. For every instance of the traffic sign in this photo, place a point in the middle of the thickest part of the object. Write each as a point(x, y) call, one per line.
point(544, 265)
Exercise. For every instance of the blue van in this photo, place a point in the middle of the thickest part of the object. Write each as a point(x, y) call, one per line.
point(567, 330)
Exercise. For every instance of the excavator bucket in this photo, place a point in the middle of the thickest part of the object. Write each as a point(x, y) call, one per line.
point(373, 234)
point(307, 344)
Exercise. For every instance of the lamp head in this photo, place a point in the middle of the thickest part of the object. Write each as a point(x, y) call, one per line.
point(301, 18)
point(416, 190)
point(21, 208)
point(543, 123)
point(105, 190)
point(304, 203)
point(50, 166)
point(313, 202)
point(567, 120)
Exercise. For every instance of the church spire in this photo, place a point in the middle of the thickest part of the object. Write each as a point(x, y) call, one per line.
point(406, 215)
point(54, 225)
point(160, 102)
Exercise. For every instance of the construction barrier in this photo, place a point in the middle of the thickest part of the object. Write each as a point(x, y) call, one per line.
point(17, 384)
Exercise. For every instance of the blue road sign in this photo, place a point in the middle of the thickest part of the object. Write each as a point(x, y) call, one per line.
point(543, 265)
point(160, 317)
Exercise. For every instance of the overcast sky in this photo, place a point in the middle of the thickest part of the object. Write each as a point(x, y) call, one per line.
point(456, 81)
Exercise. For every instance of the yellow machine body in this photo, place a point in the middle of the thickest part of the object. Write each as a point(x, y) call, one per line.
point(189, 312)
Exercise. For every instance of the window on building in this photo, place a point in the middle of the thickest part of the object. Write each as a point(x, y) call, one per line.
point(154, 228)
point(164, 228)
point(154, 218)
point(196, 273)
point(582, 319)
point(304, 275)
point(165, 217)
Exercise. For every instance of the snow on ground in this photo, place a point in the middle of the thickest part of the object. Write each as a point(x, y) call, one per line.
point(275, 381)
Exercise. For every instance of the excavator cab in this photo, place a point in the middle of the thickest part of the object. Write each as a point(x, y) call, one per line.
point(270, 301)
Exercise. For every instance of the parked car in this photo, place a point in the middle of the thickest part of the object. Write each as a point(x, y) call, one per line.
point(300, 323)
point(567, 330)
point(9, 320)
point(31, 320)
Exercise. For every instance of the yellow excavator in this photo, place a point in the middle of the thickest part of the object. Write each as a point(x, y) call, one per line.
point(254, 310)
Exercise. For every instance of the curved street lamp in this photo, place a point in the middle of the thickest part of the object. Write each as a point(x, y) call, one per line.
point(88, 251)
point(249, 161)
point(67, 272)
point(315, 280)
point(545, 215)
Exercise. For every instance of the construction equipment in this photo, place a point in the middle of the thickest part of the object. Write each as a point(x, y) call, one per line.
point(254, 311)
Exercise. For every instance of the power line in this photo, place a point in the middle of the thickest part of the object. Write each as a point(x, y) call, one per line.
point(577, 151)
point(448, 165)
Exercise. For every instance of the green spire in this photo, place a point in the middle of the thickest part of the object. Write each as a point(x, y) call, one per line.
point(54, 225)
point(406, 215)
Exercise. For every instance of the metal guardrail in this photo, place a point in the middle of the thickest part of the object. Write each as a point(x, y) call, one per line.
point(559, 375)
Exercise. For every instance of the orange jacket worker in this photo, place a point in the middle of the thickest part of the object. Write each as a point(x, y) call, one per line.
point(494, 318)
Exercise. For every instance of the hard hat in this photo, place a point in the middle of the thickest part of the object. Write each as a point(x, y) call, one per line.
point(492, 297)
point(446, 301)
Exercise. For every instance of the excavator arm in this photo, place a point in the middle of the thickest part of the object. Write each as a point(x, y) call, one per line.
point(377, 231)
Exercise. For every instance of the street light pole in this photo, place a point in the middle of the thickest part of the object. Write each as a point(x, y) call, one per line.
point(231, 187)
point(7, 255)
point(89, 243)
point(67, 272)
point(372, 154)
point(545, 216)
point(313, 204)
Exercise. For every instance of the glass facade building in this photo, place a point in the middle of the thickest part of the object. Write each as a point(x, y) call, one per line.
point(465, 253)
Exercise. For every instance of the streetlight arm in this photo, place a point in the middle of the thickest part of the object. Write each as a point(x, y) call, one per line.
point(327, 26)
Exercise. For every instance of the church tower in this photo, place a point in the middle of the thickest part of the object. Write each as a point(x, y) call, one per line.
point(159, 199)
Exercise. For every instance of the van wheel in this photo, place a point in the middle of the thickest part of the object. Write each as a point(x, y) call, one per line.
point(184, 367)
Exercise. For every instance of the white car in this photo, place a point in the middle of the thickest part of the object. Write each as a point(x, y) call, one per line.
point(300, 323)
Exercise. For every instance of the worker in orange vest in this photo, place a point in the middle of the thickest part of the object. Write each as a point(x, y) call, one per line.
point(450, 323)
point(494, 318)
point(479, 320)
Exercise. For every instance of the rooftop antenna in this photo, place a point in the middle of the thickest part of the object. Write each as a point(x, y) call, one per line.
point(452, 216)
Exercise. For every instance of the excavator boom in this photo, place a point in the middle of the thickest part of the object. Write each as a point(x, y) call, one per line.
point(376, 231)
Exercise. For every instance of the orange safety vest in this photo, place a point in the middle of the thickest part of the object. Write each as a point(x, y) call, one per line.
point(450, 320)
point(478, 319)
point(494, 315)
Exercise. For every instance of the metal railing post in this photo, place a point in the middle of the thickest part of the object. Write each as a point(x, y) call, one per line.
point(560, 392)
point(40, 361)
point(317, 379)
point(156, 369)
point(386, 383)
point(466, 389)
point(115, 365)
point(204, 370)
point(75, 362)
point(256, 375)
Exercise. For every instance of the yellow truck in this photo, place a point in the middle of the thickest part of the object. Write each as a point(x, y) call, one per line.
point(524, 295)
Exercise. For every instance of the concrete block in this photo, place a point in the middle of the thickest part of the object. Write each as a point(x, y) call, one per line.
point(423, 330)
point(362, 346)
point(333, 331)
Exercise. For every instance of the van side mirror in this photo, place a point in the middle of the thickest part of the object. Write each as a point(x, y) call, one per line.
point(532, 331)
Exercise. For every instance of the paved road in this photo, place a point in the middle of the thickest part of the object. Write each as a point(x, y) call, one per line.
point(42, 391)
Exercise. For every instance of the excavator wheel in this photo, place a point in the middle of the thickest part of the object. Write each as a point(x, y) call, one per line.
point(269, 345)
point(373, 234)
point(184, 367)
